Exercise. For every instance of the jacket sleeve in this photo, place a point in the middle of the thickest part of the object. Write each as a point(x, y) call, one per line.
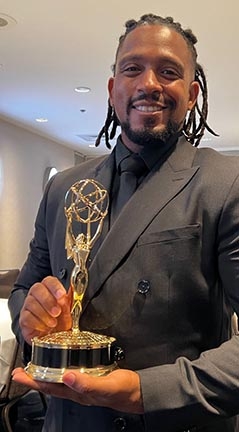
point(36, 267)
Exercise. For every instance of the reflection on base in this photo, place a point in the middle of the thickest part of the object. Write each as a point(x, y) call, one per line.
point(55, 375)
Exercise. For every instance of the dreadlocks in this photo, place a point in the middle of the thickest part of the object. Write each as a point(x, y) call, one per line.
point(196, 122)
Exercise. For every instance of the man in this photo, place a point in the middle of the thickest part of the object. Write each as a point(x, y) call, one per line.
point(164, 278)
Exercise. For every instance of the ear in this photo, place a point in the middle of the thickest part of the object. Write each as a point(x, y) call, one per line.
point(193, 94)
point(111, 91)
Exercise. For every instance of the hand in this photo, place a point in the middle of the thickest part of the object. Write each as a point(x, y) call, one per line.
point(46, 308)
point(120, 390)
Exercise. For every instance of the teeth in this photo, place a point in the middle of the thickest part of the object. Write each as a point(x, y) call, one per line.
point(148, 108)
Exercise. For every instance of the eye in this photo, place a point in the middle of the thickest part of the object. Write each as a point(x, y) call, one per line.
point(170, 73)
point(131, 70)
point(167, 72)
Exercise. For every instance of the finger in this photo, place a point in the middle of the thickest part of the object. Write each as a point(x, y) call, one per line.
point(34, 313)
point(39, 312)
point(36, 318)
point(90, 389)
point(54, 286)
point(62, 299)
point(50, 294)
point(101, 387)
point(40, 296)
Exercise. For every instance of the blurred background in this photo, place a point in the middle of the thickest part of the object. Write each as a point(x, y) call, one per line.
point(51, 53)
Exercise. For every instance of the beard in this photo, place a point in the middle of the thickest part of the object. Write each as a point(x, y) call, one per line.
point(149, 137)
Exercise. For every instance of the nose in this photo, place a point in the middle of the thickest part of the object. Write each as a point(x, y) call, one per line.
point(149, 82)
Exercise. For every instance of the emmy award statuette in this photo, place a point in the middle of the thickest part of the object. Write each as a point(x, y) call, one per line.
point(86, 205)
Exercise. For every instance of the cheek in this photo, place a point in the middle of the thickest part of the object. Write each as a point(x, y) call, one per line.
point(120, 103)
point(181, 98)
point(121, 92)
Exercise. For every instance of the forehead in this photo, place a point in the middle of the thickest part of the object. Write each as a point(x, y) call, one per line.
point(155, 39)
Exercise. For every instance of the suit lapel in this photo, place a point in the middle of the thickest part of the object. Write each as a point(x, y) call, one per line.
point(157, 190)
point(103, 172)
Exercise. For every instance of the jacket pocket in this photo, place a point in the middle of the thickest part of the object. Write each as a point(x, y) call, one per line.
point(171, 235)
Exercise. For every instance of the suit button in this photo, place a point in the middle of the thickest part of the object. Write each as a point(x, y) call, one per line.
point(143, 286)
point(120, 424)
point(62, 273)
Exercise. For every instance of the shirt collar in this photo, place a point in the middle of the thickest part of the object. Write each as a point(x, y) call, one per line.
point(151, 155)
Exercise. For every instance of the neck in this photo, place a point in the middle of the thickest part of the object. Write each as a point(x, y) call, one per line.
point(133, 147)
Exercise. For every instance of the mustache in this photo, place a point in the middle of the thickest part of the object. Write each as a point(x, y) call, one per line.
point(151, 97)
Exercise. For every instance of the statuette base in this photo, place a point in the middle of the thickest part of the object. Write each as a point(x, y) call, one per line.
point(83, 351)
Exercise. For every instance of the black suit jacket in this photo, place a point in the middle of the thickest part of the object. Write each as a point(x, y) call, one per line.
point(177, 239)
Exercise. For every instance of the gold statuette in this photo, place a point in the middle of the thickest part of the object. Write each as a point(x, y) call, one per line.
point(86, 205)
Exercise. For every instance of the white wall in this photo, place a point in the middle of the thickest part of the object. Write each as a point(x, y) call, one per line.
point(23, 159)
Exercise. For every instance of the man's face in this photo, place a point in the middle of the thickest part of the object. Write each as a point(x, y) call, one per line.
point(153, 86)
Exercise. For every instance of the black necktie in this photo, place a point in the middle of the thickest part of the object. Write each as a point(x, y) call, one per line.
point(130, 170)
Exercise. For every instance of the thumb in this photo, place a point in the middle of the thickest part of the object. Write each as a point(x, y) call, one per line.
point(83, 383)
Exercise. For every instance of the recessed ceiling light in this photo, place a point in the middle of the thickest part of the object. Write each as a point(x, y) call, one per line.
point(82, 89)
point(6, 21)
point(41, 120)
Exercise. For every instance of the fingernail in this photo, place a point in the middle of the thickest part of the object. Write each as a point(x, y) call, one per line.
point(55, 311)
point(70, 379)
point(59, 293)
point(52, 323)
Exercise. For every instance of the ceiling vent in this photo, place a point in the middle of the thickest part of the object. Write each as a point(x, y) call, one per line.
point(90, 139)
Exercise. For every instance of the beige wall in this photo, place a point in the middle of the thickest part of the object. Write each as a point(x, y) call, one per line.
point(23, 159)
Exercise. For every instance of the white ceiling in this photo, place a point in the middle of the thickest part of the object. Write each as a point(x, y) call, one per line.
point(57, 45)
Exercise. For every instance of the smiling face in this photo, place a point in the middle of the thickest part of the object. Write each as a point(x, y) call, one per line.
point(153, 86)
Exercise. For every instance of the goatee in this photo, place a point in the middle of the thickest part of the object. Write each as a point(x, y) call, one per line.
point(149, 137)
